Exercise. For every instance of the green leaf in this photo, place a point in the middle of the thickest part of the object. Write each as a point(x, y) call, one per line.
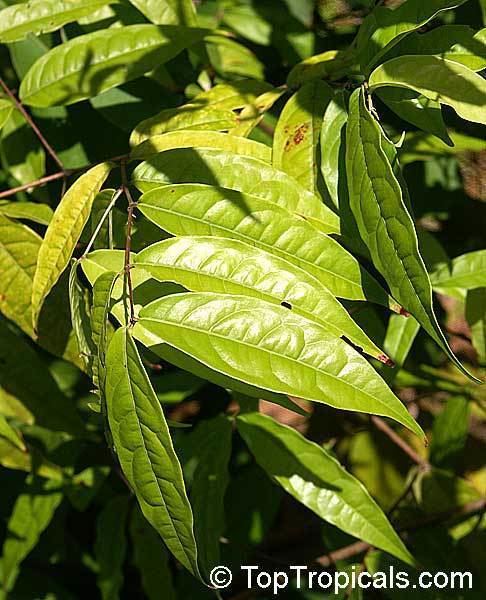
point(467, 272)
point(476, 318)
point(10, 433)
point(151, 559)
point(247, 175)
point(383, 28)
point(111, 546)
point(248, 23)
point(420, 111)
point(167, 12)
point(440, 80)
point(231, 59)
point(80, 310)
point(63, 233)
point(41, 16)
point(30, 461)
point(449, 433)
point(288, 353)
point(385, 225)
point(205, 264)
point(253, 113)
point(211, 445)
point(144, 448)
point(93, 63)
point(315, 478)
point(332, 144)
point(331, 64)
point(6, 109)
point(400, 335)
point(30, 211)
point(420, 146)
point(295, 143)
point(32, 513)
point(203, 210)
point(220, 101)
point(458, 43)
point(201, 139)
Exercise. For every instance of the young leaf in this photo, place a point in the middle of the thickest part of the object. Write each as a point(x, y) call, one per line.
point(315, 478)
point(289, 354)
point(167, 12)
point(32, 513)
point(441, 80)
point(383, 28)
point(201, 139)
point(385, 225)
point(111, 546)
point(204, 210)
point(144, 448)
point(30, 211)
point(295, 143)
point(63, 234)
point(211, 446)
point(151, 559)
point(206, 264)
point(476, 318)
point(41, 16)
point(467, 272)
point(93, 63)
point(247, 175)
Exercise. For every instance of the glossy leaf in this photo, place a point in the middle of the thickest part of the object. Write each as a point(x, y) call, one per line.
point(167, 12)
point(111, 546)
point(296, 138)
point(315, 478)
point(467, 272)
point(30, 211)
point(203, 210)
point(378, 202)
point(63, 233)
point(247, 175)
point(205, 264)
point(151, 559)
point(211, 444)
point(221, 100)
point(288, 353)
point(93, 63)
point(42, 16)
point(383, 27)
point(332, 145)
point(440, 80)
point(201, 139)
point(476, 318)
point(144, 449)
point(10, 433)
point(32, 513)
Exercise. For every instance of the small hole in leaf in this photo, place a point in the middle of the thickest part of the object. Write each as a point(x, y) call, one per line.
point(286, 305)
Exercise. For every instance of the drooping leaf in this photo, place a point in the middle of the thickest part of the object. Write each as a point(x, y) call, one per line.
point(288, 353)
point(247, 175)
point(315, 478)
point(151, 559)
point(204, 210)
point(30, 211)
point(10, 433)
point(102, 295)
point(211, 448)
point(144, 448)
point(295, 143)
point(220, 101)
point(111, 546)
point(438, 79)
point(205, 264)
point(42, 16)
point(476, 318)
point(467, 272)
point(79, 306)
point(201, 139)
point(332, 145)
point(378, 202)
point(383, 28)
point(167, 12)
point(449, 433)
point(93, 63)
point(32, 513)
point(64, 232)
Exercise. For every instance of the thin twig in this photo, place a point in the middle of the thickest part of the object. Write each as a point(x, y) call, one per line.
point(32, 125)
point(380, 424)
point(106, 212)
point(128, 243)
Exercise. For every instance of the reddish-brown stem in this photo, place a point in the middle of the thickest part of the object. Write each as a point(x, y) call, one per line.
point(33, 184)
point(128, 243)
point(380, 424)
point(32, 125)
